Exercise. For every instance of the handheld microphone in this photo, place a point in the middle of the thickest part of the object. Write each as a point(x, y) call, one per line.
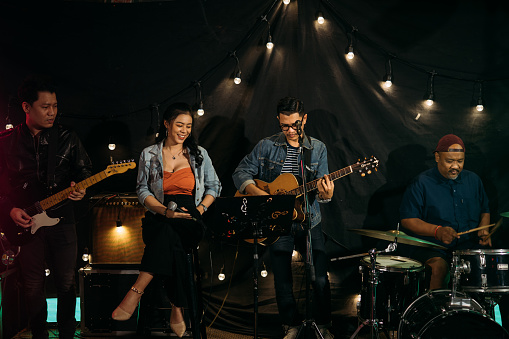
point(172, 205)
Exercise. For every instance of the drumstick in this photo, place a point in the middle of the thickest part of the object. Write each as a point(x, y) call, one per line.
point(497, 225)
point(475, 229)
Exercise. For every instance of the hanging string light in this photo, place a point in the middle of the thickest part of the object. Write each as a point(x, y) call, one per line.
point(8, 123)
point(320, 18)
point(350, 49)
point(269, 43)
point(430, 94)
point(286, 2)
point(388, 74)
point(479, 107)
point(237, 80)
point(221, 276)
point(111, 143)
point(264, 273)
point(200, 111)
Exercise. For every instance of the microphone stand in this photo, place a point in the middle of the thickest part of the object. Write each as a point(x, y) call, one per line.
point(310, 269)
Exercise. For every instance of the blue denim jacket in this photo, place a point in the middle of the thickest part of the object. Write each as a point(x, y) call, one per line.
point(266, 162)
point(150, 175)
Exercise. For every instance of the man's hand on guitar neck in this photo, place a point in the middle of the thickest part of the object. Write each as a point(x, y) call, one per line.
point(325, 188)
point(77, 194)
point(252, 189)
point(21, 218)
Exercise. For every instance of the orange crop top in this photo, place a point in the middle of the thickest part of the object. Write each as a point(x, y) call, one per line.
point(179, 182)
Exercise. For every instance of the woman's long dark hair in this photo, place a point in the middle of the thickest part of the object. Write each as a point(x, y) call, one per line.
point(170, 114)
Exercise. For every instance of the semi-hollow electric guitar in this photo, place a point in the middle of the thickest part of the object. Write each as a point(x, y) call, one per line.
point(288, 184)
point(19, 236)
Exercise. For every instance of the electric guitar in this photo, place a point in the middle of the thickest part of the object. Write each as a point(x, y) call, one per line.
point(287, 183)
point(19, 236)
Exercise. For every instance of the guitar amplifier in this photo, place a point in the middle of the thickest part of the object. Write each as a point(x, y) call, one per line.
point(101, 290)
point(116, 229)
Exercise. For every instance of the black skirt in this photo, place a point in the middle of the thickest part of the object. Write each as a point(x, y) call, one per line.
point(167, 240)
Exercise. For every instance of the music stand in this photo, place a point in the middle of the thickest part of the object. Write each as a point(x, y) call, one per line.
point(254, 217)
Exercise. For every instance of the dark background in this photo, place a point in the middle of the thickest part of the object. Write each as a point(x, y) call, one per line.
point(114, 63)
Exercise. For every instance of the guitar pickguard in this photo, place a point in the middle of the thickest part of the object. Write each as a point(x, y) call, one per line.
point(42, 219)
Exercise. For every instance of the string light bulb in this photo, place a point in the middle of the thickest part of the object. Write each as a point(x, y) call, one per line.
point(269, 44)
point(388, 74)
point(319, 18)
point(111, 144)
point(350, 54)
point(86, 256)
point(200, 111)
point(237, 79)
point(8, 123)
point(430, 95)
point(480, 106)
point(264, 272)
point(221, 275)
point(286, 2)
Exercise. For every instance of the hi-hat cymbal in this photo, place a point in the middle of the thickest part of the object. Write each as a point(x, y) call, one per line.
point(402, 237)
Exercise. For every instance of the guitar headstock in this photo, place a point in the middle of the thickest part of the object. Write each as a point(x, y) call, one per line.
point(120, 167)
point(367, 166)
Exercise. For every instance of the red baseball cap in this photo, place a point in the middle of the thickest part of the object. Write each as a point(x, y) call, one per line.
point(446, 141)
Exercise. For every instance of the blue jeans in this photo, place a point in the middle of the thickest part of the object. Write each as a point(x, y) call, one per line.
point(281, 259)
point(55, 248)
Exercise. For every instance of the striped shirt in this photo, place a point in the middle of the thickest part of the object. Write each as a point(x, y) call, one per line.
point(291, 164)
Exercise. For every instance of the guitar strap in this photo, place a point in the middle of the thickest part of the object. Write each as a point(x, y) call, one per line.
point(52, 156)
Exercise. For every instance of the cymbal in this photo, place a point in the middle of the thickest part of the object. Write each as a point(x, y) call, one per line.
point(505, 214)
point(402, 237)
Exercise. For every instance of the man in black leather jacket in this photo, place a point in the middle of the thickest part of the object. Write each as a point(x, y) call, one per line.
point(24, 180)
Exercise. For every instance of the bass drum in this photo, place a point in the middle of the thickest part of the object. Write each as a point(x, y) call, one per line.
point(432, 316)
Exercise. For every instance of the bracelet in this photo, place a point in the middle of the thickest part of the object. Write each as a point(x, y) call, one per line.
point(436, 229)
point(166, 212)
point(204, 207)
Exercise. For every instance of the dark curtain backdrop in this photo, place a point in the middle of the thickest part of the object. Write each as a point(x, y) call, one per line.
point(115, 64)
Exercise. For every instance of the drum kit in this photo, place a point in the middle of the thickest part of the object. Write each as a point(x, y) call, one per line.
point(394, 297)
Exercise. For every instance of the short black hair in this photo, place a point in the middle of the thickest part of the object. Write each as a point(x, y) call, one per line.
point(290, 105)
point(32, 85)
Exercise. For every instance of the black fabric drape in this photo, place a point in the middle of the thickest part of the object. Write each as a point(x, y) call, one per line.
point(114, 62)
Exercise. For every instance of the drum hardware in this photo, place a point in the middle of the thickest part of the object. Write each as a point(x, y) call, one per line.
point(481, 270)
point(373, 322)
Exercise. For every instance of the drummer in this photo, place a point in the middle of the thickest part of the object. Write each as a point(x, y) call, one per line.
point(442, 202)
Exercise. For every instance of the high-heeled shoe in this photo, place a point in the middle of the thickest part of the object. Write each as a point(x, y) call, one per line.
point(120, 314)
point(179, 328)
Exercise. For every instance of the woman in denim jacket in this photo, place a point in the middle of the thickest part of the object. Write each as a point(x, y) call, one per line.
point(269, 158)
point(176, 183)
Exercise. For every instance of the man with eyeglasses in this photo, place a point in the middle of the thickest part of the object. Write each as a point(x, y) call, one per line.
point(271, 157)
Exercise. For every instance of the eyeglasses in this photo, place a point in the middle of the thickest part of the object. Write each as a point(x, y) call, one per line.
point(285, 127)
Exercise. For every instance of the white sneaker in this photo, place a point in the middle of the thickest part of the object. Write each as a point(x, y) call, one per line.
point(291, 332)
point(325, 334)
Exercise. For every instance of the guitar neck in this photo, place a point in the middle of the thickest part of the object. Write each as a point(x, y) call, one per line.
point(62, 195)
point(310, 186)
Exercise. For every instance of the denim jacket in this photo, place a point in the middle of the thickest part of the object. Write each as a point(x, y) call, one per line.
point(150, 176)
point(266, 162)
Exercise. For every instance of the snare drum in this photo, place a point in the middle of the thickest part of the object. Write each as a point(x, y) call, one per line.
point(483, 270)
point(400, 281)
point(433, 316)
